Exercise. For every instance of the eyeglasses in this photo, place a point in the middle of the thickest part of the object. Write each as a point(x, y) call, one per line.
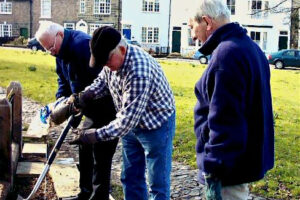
point(53, 46)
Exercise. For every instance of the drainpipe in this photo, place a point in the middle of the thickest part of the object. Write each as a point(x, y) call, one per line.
point(30, 18)
point(169, 26)
point(120, 16)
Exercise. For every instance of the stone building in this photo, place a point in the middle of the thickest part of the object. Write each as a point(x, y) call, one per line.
point(22, 17)
point(14, 18)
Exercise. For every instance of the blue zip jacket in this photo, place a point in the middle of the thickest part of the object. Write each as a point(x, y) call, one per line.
point(233, 114)
point(72, 64)
point(74, 74)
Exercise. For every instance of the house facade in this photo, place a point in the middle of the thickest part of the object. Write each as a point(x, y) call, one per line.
point(14, 18)
point(147, 22)
point(22, 17)
point(84, 15)
point(270, 30)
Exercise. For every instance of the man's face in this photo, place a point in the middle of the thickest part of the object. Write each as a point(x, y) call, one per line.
point(198, 30)
point(52, 43)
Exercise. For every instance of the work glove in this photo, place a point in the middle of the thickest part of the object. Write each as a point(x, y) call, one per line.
point(213, 187)
point(87, 136)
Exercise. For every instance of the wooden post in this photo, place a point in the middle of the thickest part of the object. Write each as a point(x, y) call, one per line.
point(6, 168)
point(15, 89)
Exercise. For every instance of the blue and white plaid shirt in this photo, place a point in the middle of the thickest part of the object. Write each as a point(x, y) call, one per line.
point(140, 91)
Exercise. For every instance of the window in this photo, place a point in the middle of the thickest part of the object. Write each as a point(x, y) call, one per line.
point(256, 7)
point(93, 27)
point(82, 6)
point(5, 30)
point(102, 7)
point(266, 12)
point(231, 6)
point(46, 8)
point(191, 42)
point(5, 7)
point(69, 26)
point(289, 53)
point(255, 36)
point(150, 35)
point(150, 6)
point(265, 38)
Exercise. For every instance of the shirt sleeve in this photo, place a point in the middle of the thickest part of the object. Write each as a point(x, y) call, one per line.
point(97, 89)
point(134, 101)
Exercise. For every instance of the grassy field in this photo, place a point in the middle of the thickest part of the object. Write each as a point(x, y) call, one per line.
point(36, 72)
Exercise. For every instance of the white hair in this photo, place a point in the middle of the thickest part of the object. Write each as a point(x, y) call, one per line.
point(48, 27)
point(122, 43)
point(216, 9)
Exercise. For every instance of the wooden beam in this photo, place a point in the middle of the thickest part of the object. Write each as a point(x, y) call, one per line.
point(5, 141)
point(15, 89)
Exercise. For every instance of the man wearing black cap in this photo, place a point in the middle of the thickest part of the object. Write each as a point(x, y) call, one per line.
point(71, 49)
point(145, 113)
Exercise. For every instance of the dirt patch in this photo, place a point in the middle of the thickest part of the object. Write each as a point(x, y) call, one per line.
point(24, 186)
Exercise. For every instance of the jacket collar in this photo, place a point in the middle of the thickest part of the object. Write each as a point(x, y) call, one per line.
point(222, 33)
point(64, 49)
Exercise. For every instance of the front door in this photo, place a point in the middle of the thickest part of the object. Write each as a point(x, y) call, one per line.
point(176, 37)
point(24, 32)
point(127, 33)
point(283, 42)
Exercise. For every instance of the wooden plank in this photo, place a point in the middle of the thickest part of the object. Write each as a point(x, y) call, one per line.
point(4, 189)
point(16, 89)
point(30, 169)
point(34, 148)
point(5, 141)
point(65, 179)
point(15, 155)
point(36, 128)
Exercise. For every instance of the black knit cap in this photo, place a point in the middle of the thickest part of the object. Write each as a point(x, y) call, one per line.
point(104, 40)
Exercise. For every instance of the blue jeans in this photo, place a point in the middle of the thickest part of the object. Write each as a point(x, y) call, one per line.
point(151, 149)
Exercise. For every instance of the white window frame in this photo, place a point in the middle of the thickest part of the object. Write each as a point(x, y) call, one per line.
point(45, 8)
point(69, 25)
point(102, 7)
point(151, 6)
point(82, 6)
point(94, 26)
point(264, 40)
point(6, 7)
point(231, 6)
point(5, 30)
point(150, 35)
point(256, 33)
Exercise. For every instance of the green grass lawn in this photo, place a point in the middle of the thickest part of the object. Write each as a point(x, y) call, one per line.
point(36, 73)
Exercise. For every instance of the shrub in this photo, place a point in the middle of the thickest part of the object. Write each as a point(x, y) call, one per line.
point(32, 68)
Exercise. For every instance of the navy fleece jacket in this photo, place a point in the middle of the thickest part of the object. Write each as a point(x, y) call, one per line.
point(233, 114)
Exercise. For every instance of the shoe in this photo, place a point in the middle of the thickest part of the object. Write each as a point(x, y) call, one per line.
point(80, 196)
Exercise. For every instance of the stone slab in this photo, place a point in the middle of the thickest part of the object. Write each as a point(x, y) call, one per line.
point(65, 179)
point(36, 128)
point(35, 148)
point(30, 169)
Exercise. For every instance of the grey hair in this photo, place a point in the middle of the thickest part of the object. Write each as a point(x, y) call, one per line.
point(122, 43)
point(215, 9)
point(48, 27)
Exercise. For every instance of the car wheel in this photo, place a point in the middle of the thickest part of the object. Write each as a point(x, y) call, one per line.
point(279, 64)
point(203, 60)
point(34, 48)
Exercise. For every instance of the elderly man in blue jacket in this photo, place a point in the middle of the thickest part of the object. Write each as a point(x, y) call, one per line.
point(72, 52)
point(233, 114)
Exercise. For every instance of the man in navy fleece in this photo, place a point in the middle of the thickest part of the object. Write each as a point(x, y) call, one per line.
point(233, 114)
point(72, 51)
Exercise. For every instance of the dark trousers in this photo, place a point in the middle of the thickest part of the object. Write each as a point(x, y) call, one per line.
point(95, 167)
